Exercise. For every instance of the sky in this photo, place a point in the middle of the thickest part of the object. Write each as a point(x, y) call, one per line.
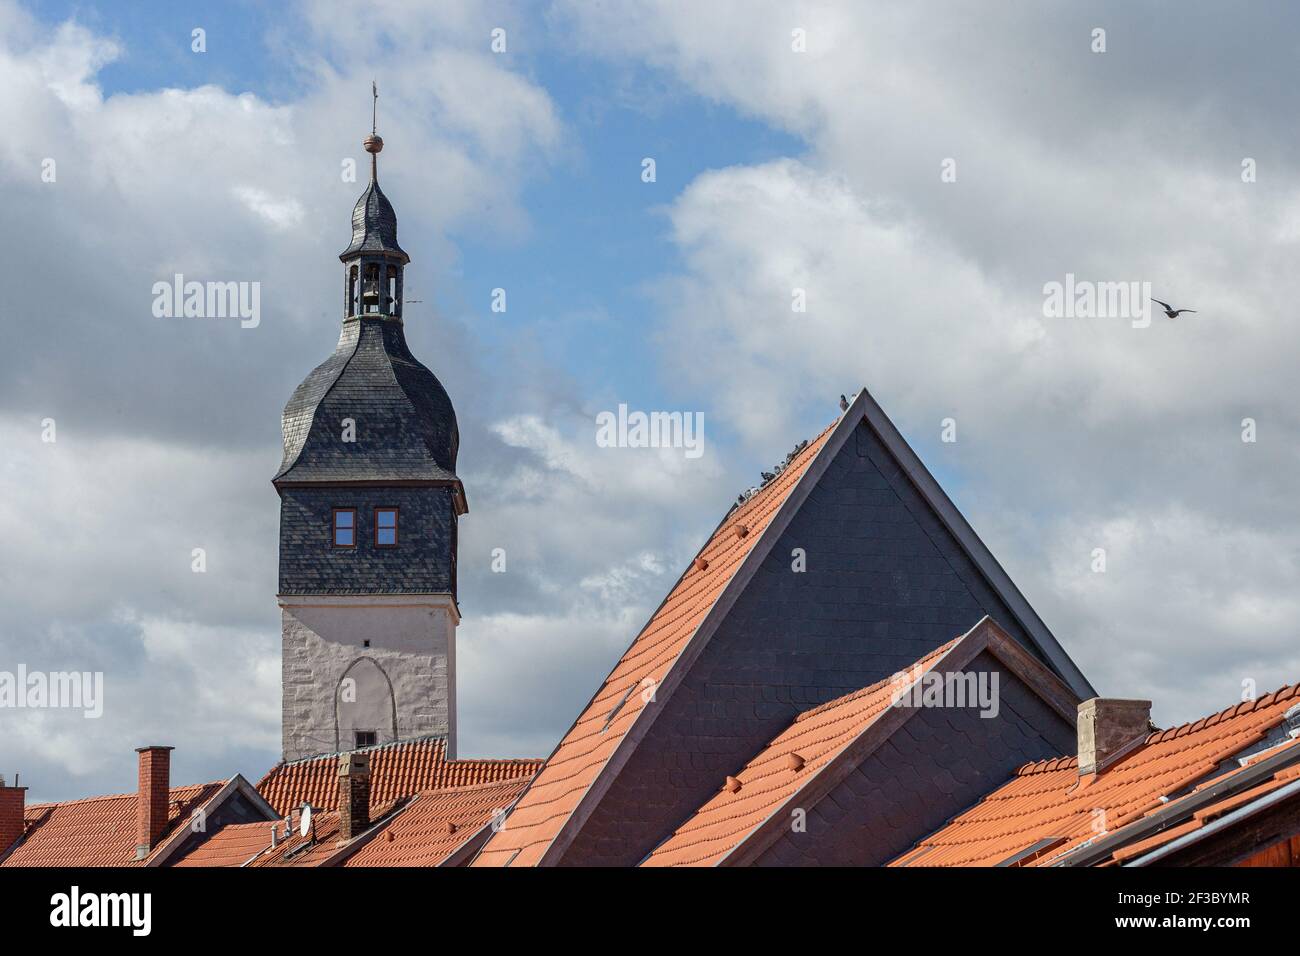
point(920, 171)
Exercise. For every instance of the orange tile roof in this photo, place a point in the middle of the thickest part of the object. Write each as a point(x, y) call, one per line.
point(319, 845)
point(1208, 813)
point(769, 780)
point(411, 832)
point(396, 770)
point(233, 845)
point(249, 844)
point(437, 824)
point(1048, 800)
point(97, 831)
point(579, 757)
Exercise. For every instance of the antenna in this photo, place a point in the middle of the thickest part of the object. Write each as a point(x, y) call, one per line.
point(304, 822)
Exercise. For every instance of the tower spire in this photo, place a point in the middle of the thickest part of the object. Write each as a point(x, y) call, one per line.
point(373, 143)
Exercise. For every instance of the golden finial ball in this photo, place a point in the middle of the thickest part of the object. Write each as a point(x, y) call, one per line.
point(373, 144)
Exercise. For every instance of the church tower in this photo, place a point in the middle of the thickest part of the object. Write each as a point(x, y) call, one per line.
point(369, 501)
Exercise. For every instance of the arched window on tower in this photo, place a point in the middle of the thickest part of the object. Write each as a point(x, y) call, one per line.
point(370, 289)
point(352, 291)
point(393, 305)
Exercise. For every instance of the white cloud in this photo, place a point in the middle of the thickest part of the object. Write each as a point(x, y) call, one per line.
point(279, 212)
point(168, 429)
point(1181, 587)
point(931, 294)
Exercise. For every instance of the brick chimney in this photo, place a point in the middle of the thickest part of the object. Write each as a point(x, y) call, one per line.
point(152, 797)
point(354, 794)
point(1107, 726)
point(12, 801)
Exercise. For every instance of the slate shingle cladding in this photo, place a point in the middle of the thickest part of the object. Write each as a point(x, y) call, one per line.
point(422, 563)
point(886, 583)
point(405, 424)
point(374, 225)
point(937, 764)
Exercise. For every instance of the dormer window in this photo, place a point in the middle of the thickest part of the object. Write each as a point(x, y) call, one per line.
point(385, 527)
point(345, 528)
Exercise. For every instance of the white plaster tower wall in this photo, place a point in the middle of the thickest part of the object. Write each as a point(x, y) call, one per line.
point(400, 686)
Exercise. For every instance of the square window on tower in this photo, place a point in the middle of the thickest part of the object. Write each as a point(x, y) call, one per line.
point(385, 527)
point(345, 528)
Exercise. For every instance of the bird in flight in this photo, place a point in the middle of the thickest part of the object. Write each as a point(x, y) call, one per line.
point(1170, 310)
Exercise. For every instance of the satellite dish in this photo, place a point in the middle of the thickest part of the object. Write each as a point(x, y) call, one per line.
point(304, 820)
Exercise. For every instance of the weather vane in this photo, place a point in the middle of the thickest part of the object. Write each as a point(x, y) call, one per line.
point(374, 107)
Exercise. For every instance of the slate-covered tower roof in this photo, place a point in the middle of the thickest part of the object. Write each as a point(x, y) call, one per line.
point(405, 426)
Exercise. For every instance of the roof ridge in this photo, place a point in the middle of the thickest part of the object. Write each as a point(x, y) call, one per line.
point(44, 804)
point(810, 447)
point(1284, 693)
point(392, 744)
point(470, 787)
point(1047, 765)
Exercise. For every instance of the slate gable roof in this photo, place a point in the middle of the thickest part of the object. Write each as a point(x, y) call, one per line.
point(602, 742)
point(801, 765)
point(579, 758)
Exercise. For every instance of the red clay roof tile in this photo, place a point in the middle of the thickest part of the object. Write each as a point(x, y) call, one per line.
point(96, 831)
point(396, 770)
point(420, 835)
point(233, 845)
point(412, 832)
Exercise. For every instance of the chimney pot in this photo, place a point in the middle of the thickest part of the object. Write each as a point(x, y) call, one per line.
point(12, 805)
point(1108, 725)
point(153, 797)
point(354, 794)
